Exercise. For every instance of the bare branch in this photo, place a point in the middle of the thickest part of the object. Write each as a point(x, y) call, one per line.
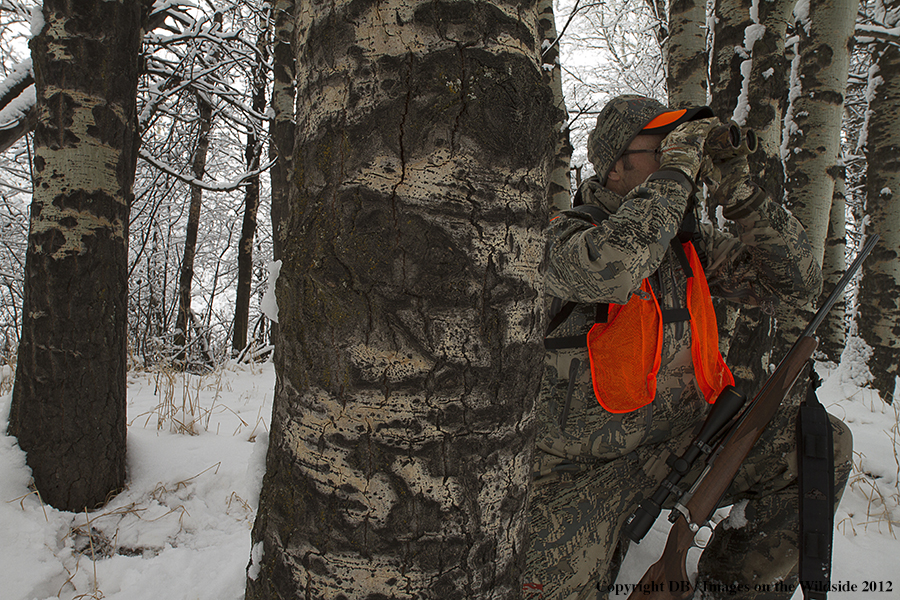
point(225, 186)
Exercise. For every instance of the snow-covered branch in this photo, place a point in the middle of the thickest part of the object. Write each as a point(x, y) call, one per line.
point(212, 186)
point(869, 34)
point(17, 100)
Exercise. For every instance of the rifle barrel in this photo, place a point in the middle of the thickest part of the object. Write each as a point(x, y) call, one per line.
point(839, 287)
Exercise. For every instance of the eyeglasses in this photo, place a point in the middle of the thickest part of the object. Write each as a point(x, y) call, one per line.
point(656, 152)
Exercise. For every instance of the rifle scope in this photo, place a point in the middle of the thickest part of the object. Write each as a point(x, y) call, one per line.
point(727, 405)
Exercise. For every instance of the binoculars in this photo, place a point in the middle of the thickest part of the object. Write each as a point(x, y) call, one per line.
point(727, 140)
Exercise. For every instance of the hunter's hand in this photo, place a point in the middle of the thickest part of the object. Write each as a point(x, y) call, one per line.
point(730, 185)
point(722, 178)
point(683, 148)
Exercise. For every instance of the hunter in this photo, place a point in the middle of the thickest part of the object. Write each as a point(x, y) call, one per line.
point(610, 415)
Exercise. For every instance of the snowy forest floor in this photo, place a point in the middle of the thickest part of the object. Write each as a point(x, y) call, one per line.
point(196, 457)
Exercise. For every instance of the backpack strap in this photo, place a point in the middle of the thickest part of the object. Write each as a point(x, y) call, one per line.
point(560, 311)
point(689, 231)
point(681, 255)
point(596, 213)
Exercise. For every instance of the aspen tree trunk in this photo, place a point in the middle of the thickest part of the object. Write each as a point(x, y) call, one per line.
point(560, 192)
point(731, 18)
point(748, 79)
point(813, 134)
point(410, 329)
point(833, 331)
point(687, 56)
point(68, 405)
point(281, 127)
point(763, 98)
point(879, 295)
point(185, 281)
point(814, 122)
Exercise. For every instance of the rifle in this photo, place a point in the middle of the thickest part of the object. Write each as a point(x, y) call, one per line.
point(667, 578)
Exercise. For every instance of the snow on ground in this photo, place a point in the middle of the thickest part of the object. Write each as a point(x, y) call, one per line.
point(181, 528)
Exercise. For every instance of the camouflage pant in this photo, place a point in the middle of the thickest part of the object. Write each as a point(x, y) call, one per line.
point(576, 519)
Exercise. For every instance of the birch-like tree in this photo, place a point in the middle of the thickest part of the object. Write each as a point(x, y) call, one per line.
point(879, 298)
point(185, 317)
point(559, 194)
point(410, 320)
point(687, 58)
point(252, 154)
point(812, 145)
point(68, 405)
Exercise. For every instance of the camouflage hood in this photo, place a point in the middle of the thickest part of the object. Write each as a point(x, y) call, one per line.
point(622, 119)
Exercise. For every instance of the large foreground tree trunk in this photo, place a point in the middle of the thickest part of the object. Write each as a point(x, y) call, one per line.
point(409, 349)
point(68, 406)
point(559, 193)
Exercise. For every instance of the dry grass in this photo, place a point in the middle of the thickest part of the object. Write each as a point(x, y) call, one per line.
point(878, 512)
point(882, 499)
point(895, 441)
point(180, 409)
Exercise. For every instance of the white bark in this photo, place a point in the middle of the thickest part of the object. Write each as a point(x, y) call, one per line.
point(410, 325)
point(879, 299)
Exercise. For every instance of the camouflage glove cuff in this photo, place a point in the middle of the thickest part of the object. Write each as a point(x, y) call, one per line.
point(683, 148)
point(745, 199)
point(723, 174)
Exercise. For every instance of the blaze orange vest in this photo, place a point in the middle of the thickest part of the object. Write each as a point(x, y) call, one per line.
point(625, 352)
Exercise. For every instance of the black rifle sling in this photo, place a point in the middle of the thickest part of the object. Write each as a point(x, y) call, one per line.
point(816, 482)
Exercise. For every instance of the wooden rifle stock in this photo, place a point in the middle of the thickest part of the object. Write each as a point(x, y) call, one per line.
point(667, 578)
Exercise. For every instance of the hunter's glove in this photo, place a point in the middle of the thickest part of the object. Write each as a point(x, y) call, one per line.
point(682, 149)
point(730, 185)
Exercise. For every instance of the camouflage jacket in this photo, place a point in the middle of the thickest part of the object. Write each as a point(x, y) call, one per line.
point(770, 261)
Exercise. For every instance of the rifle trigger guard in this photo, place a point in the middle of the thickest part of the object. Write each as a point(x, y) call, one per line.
point(701, 542)
point(687, 517)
